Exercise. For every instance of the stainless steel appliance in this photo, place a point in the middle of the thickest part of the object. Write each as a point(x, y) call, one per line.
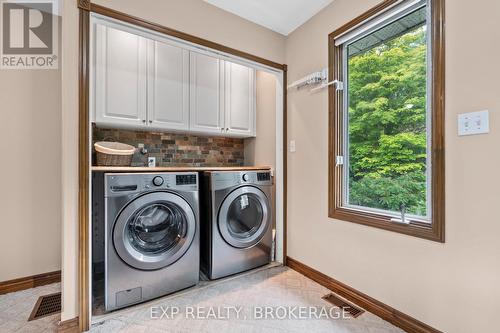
point(152, 236)
point(237, 221)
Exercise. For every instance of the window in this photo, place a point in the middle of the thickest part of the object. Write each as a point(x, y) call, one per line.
point(387, 119)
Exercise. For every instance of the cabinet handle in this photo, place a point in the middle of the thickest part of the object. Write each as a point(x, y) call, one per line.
point(144, 120)
point(227, 129)
point(150, 121)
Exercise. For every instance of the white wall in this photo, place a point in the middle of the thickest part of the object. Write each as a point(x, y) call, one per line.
point(261, 150)
point(201, 19)
point(69, 160)
point(453, 286)
point(30, 199)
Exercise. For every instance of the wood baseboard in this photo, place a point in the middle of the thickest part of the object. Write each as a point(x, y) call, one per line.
point(384, 311)
point(69, 326)
point(29, 282)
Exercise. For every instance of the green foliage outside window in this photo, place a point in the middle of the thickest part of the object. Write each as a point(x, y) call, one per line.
point(387, 125)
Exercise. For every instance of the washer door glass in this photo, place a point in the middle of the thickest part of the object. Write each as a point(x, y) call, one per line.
point(154, 230)
point(244, 217)
point(157, 228)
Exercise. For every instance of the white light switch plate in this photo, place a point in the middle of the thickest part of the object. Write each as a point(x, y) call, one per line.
point(151, 162)
point(292, 146)
point(473, 123)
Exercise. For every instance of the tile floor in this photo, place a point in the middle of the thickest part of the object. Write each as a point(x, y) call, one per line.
point(238, 299)
point(15, 309)
point(276, 289)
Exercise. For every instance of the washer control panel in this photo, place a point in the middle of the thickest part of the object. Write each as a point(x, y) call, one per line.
point(126, 184)
point(190, 179)
point(158, 181)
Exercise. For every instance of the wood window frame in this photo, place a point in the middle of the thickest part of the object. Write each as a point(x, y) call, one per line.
point(436, 230)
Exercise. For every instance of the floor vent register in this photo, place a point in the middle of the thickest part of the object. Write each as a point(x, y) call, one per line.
point(349, 308)
point(46, 306)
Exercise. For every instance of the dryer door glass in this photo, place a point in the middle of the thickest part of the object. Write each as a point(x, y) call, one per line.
point(154, 230)
point(244, 217)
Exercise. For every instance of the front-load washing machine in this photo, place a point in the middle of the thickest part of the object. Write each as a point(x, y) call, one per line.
point(237, 221)
point(152, 236)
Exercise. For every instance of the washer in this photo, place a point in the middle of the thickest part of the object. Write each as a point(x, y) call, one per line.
point(152, 236)
point(237, 225)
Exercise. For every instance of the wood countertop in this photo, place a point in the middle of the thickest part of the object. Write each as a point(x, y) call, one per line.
point(175, 169)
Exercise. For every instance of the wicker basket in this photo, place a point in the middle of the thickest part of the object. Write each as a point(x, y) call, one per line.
point(113, 153)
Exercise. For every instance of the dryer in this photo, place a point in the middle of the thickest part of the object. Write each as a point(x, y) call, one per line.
point(151, 236)
point(237, 221)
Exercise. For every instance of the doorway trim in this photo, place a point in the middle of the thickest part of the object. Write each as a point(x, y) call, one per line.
point(86, 7)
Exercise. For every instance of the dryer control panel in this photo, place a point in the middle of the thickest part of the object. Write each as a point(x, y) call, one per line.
point(263, 176)
point(225, 179)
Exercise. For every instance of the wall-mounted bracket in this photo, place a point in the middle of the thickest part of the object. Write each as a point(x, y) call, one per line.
point(339, 85)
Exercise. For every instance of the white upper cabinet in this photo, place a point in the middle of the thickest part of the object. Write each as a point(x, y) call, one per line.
point(120, 78)
point(206, 94)
point(143, 81)
point(168, 86)
point(239, 100)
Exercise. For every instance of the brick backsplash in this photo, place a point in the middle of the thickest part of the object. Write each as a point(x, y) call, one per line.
point(177, 149)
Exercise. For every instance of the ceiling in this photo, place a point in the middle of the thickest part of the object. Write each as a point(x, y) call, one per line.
point(282, 16)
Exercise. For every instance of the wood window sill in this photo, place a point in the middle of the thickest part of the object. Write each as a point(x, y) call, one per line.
point(420, 230)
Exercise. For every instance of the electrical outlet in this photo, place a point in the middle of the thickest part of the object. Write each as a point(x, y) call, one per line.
point(151, 162)
point(473, 123)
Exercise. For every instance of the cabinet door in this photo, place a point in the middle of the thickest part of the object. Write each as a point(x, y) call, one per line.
point(120, 78)
point(206, 94)
point(239, 100)
point(168, 89)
